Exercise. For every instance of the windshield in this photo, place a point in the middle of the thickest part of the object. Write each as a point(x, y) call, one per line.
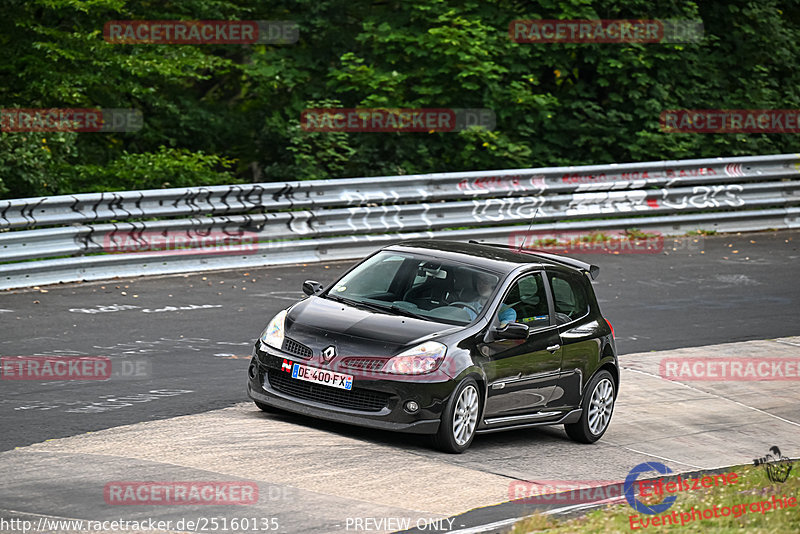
point(404, 284)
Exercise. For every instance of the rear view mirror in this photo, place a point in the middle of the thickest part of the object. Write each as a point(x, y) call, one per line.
point(512, 331)
point(431, 270)
point(311, 287)
point(439, 273)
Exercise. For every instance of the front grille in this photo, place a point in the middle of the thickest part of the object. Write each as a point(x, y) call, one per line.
point(355, 399)
point(298, 349)
point(364, 364)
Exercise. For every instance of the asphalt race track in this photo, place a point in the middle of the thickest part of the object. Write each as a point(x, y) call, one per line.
point(180, 346)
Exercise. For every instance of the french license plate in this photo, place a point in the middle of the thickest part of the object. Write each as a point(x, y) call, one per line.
point(322, 376)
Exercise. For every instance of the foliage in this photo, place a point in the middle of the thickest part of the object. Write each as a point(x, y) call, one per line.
point(169, 167)
point(231, 113)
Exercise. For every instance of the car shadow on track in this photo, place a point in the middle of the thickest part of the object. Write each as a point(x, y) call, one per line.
point(486, 443)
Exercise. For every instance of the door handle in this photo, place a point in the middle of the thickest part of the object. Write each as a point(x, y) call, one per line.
point(553, 348)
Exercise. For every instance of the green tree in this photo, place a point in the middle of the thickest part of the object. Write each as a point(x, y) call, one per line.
point(231, 113)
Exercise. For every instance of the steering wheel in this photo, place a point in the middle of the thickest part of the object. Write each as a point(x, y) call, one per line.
point(464, 305)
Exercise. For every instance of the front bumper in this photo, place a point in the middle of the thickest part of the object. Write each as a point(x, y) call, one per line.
point(429, 392)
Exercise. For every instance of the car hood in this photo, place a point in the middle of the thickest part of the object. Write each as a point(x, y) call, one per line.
point(318, 323)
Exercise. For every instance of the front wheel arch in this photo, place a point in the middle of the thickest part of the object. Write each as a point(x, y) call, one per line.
point(446, 438)
point(476, 373)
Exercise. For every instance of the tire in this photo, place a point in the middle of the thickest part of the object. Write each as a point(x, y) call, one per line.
point(598, 407)
point(460, 418)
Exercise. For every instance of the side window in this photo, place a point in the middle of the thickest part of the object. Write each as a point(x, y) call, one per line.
point(526, 301)
point(569, 298)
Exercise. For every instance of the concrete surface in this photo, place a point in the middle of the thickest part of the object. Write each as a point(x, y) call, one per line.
point(321, 477)
point(194, 332)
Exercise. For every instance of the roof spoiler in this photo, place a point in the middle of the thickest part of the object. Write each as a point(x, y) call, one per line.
point(593, 270)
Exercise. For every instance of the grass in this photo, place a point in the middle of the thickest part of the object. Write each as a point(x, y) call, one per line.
point(595, 238)
point(592, 237)
point(701, 232)
point(635, 233)
point(751, 486)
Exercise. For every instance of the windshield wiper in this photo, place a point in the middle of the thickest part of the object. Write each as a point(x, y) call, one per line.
point(357, 303)
point(398, 310)
point(408, 313)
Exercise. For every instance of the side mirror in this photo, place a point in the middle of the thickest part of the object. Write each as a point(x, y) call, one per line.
point(311, 287)
point(512, 331)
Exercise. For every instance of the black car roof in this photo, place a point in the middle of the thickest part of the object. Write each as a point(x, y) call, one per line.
point(490, 256)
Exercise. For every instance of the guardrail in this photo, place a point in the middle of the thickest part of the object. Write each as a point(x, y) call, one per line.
point(105, 235)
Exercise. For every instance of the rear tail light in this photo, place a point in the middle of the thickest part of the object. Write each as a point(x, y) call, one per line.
point(612, 329)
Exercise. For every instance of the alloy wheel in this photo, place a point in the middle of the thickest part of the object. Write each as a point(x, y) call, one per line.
point(600, 406)
point(465, 415)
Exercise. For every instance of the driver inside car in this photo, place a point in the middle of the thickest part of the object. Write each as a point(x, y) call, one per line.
point(485, 285)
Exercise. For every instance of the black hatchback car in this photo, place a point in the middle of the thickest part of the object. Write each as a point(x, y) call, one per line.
point(445, 338)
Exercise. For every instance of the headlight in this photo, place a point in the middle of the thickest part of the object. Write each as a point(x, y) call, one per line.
point(273, 334)
point(421, 359)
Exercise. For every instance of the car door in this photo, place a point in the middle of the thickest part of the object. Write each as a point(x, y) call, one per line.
point(522, 373)
point(577, 331)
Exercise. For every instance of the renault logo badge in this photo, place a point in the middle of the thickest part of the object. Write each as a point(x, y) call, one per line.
point(328, 353)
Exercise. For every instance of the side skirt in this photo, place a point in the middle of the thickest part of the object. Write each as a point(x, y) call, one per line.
point(570, 417)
